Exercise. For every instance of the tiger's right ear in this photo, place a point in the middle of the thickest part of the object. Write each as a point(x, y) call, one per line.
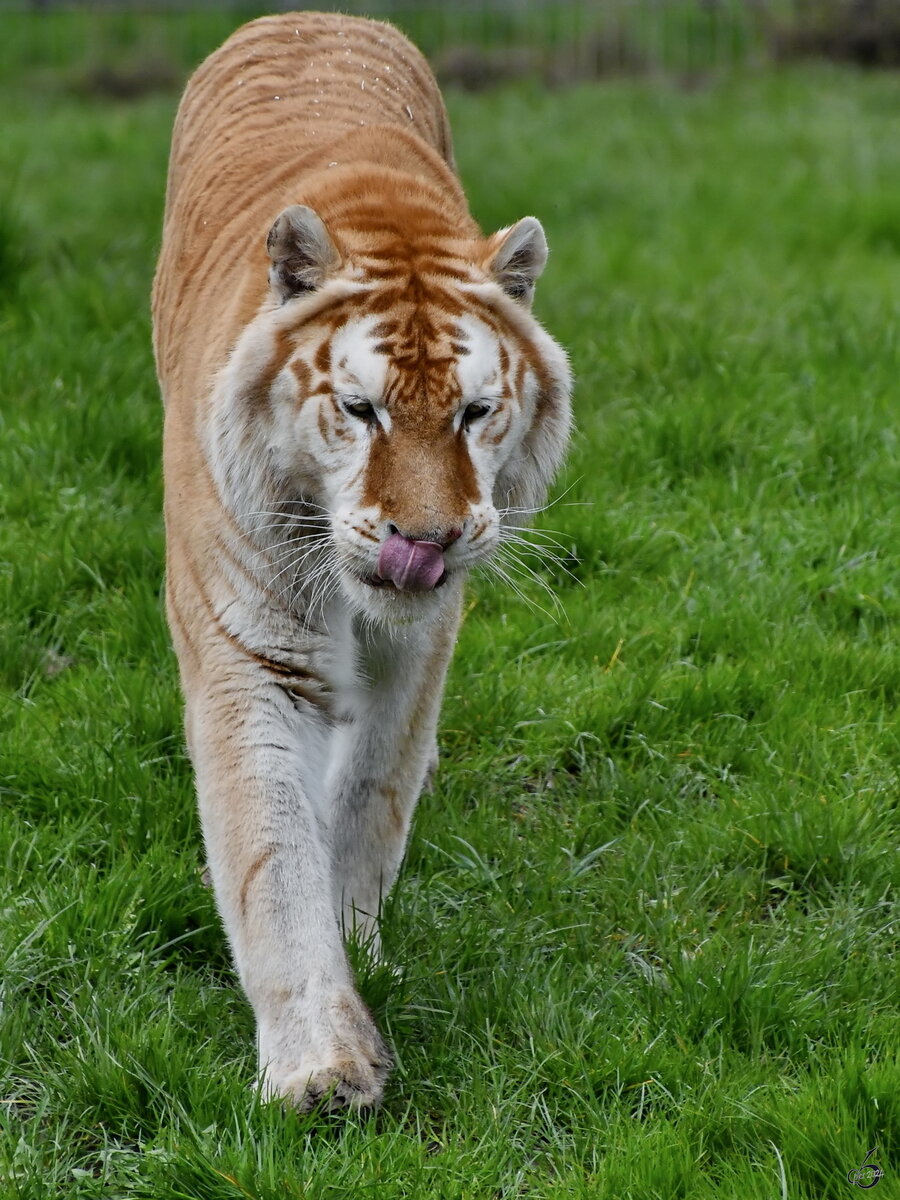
point(302, 253)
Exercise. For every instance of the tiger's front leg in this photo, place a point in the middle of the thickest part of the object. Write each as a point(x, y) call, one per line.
point(259, 757)
point(380, 760)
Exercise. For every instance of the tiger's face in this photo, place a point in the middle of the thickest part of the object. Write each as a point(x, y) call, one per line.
point(419, 412)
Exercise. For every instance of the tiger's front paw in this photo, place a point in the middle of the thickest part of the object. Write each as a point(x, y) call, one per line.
point(344, 1064)
point(340, 1084)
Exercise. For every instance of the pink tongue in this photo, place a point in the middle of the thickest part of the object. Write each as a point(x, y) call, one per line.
point(414, 566)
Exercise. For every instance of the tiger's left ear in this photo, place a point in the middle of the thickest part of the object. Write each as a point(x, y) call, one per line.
point(302, 252)
point(516, 257)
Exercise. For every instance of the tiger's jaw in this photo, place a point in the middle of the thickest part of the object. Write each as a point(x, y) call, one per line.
point(382, 601)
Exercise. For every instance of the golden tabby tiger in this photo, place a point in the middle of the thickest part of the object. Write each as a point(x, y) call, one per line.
point(358, 403)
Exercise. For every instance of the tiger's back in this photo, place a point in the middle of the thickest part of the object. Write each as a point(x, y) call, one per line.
point(284, 98)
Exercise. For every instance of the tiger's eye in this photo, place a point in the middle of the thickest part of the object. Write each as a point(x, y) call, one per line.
point(363, 410)
point(475, 412)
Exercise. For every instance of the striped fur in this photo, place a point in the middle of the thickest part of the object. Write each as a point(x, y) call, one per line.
point(343, 358)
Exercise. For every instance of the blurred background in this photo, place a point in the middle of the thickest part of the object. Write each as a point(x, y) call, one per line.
point(124, 49)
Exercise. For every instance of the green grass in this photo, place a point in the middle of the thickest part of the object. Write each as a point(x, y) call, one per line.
point(645, 939)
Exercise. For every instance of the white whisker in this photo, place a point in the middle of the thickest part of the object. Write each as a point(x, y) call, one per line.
point(514, 511)
point(501, 572)
point(516, 547)
point(324, 583)
point(549, 536)
point(547, 552)
point(294, 503)
point(304, 538)
point(288, 522)
point(296, 562)
point(523, 571)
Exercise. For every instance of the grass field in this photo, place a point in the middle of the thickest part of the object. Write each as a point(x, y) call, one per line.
point(645, 941)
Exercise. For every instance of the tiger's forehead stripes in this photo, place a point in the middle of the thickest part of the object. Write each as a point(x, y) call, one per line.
point(421, 360)
point(423, 391)
point(409, 360)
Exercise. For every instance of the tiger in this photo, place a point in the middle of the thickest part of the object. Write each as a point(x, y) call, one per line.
point(358, 406)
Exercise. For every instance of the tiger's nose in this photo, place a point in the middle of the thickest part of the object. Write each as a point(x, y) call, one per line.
point(441, 537)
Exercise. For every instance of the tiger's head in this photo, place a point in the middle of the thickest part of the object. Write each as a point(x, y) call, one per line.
point(397, 382)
